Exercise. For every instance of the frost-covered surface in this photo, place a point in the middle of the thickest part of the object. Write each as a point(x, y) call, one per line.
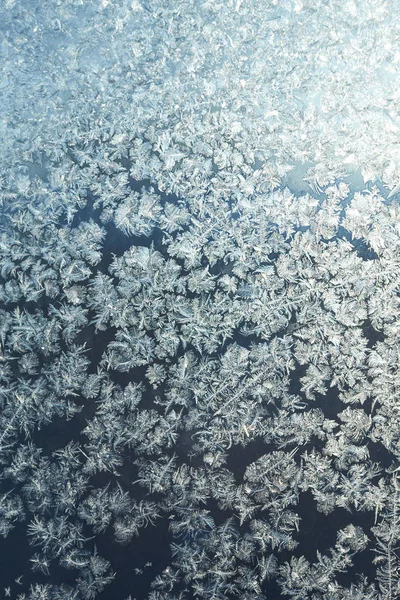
point(251, 85)
point(199, 367)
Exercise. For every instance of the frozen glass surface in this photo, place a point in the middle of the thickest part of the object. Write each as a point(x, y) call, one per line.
point(199, 300)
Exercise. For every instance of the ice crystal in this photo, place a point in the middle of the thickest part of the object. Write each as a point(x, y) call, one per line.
point(199, 299)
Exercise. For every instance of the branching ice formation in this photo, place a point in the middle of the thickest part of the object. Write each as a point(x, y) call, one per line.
point(199, 299)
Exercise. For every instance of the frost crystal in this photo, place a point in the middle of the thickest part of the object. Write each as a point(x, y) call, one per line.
point(199, 299)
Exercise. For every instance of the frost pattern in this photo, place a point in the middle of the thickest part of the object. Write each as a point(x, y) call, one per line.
point(199, 332)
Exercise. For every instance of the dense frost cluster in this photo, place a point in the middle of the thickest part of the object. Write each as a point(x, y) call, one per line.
point(226, 92)
point(198, 350)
